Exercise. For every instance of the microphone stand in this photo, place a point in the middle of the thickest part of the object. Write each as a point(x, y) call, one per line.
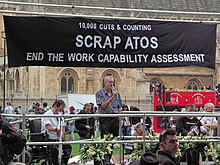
point(162, 105)
point(123, 145)
point(60, 140)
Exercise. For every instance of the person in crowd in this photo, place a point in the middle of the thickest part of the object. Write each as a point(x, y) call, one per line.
point(9, 110)
point(5, 155)
point(3, 159)
point(18, 110)
point(95, 110)
point(171, 89)
point(71, 124)
point(209, 123)
point(138, 129)
point(15, 127)
point(85, 126)
point(126, 129)
point(53, 126)
point(189, 125)
point(172, 120)
point(108, 100)
point(146, 159)
point(134, 120)
point(201, 109)
point(45, 107)
point(204, 88)
point(148, 124)
point(168, 147)
point(38, 110)
point(37, 104)
point(1, 109)
point(31, 109)
point(92, 107)
point(92, 111)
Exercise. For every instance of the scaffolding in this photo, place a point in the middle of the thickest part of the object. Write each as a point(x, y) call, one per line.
point(43, 9)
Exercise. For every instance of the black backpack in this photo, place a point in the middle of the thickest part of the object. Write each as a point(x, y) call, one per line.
point(14, 140)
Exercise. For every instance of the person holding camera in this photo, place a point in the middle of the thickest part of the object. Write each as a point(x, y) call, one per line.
point(189, 125)
point(210, 123)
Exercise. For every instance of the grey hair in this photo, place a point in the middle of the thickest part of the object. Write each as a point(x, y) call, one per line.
point(107, 77)
point(208, 105)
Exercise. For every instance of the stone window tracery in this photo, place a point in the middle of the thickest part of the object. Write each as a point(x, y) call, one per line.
point(193, 84)
point(67, 82)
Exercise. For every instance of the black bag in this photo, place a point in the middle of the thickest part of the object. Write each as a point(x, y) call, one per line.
point(14, 140)
point(39, 137)
point(6, 156)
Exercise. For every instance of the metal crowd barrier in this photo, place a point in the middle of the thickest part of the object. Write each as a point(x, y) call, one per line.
point(142, 114)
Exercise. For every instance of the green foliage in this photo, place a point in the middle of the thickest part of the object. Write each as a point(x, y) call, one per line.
point(97, 151)
point(213, 150)
point(198, 146)
point(186, 146)
point(138, 148)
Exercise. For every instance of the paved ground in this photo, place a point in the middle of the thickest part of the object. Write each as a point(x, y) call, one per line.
point(75, 161)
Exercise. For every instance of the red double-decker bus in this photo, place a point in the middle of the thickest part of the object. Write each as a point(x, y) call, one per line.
point(179, 99)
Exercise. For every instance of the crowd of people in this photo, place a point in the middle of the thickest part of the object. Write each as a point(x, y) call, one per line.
point(108, 101)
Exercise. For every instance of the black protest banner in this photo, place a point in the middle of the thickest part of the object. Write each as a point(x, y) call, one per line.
point(83, 42)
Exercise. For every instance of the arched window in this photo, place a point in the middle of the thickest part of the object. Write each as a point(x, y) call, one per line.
point(67, 81)
point(10, 82)
point(193, 84)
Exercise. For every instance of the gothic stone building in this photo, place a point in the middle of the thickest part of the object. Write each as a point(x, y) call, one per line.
point(24, 85)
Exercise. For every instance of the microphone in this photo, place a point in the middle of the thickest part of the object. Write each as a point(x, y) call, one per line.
point(113, 88)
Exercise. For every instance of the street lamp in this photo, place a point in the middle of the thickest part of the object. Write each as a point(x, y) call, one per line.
point(4, 44)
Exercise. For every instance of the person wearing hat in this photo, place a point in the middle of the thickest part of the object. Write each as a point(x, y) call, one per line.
point(146, 159)
point(168, 147)
point(71, 124)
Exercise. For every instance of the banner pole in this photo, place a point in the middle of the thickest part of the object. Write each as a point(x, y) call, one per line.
point(4, 79)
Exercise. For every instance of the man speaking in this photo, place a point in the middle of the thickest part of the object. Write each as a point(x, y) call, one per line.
point(109, 102)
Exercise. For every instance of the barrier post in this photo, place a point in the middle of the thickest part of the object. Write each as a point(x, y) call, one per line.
point(144, 132)
point(24, 133)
